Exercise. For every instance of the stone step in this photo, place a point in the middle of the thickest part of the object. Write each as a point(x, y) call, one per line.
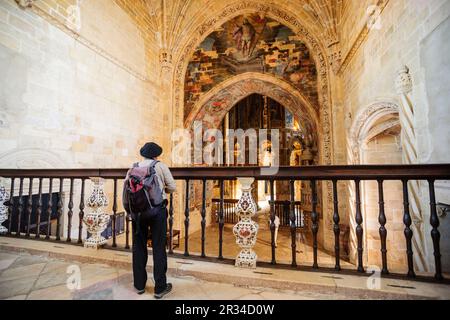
point(343, 286)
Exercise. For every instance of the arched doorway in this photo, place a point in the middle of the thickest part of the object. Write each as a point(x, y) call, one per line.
point(285, 63)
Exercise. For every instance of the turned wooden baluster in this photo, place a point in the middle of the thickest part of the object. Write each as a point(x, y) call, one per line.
point(81, 213)
point(11, 206)
point(435, 234)
point(203, 213)
point(221, 220)
point(70, 212)
point(59, 210)
point(272, 221)
point(315, 222)
point(49, 208)
point(20, 208)
point(186, 221)
point(171, 224)
point(382, 230)
point(359, 228)
point(39, 211)
point(408, 232)
point(292, 224)
point(114, 217)
point(336, 227)
point(29, 207)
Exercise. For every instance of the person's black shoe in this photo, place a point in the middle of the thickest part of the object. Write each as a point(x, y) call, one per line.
point(163, 293)
point(140, 291)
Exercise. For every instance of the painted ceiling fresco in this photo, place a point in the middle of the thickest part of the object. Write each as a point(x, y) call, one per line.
point(250, 43)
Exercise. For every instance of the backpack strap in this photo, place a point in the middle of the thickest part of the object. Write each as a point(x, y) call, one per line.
point(154, 163)
point(152, 166)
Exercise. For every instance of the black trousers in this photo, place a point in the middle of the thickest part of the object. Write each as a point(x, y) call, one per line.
point(157, 221)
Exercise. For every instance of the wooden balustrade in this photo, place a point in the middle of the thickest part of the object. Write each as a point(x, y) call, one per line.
point(57, 214)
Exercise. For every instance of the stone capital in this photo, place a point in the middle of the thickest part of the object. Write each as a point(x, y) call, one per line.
point(403, 82)
point(335, 56)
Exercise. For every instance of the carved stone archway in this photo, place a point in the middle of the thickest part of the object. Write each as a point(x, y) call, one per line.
point(316, 47)
point(214, 105)
point(277, 13)
point(363, 122)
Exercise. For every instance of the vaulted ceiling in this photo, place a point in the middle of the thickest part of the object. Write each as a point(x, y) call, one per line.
point(172, 18)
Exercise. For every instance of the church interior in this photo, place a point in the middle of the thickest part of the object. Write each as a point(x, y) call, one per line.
point(349, 86)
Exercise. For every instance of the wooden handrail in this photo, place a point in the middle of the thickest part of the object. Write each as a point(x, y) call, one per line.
point(362, 172)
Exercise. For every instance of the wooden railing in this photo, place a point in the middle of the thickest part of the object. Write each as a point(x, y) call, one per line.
point(21, 212)
point(229, 205)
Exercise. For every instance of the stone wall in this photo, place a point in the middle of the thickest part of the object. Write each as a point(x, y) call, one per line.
point(369, 76)
point(68, 96)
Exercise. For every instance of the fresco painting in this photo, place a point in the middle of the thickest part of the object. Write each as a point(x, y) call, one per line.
point(250, 43)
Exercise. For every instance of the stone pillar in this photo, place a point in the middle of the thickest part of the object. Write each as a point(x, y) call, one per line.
point(96, 221)
point(246, 229)
point(4, 196)
point(403, 85)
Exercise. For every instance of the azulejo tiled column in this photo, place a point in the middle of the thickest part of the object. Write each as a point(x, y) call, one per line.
point(246, 229)
point(4, 196)
point(96, 220)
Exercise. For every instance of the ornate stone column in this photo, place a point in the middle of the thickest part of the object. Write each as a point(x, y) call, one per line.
point(96, 221)
point(246, 229)
point(4, 196)
point(403, 85)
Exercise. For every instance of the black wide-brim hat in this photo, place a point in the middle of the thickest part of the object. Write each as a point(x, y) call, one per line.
point(151, 150)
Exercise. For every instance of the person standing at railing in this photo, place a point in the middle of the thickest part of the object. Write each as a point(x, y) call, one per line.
point(156, 219)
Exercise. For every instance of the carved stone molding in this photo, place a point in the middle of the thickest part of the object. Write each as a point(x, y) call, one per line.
point(165, 58)
point(360, 39)
point(25, 3)
point(31, 158)
point(335, 56)
point(362, 124)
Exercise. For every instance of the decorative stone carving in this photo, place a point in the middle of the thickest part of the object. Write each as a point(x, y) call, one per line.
point(443, 209)
point(246, 229)
point(25, 3)
point(362, 123)
point(403, 85)
point(403, 82)
point(335, 57)
point(96, 220)
point(4, 196)
point(165, 59)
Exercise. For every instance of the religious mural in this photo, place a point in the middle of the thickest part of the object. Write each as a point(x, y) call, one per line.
point(250, 43)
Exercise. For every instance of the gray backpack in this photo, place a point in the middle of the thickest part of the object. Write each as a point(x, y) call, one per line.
point(142, 189)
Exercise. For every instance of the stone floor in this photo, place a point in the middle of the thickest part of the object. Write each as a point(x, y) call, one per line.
point(34, 277)
point(31, 269)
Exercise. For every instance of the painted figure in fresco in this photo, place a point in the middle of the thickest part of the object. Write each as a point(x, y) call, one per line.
point(244, 36)
point(237, 36)
point(296, 153)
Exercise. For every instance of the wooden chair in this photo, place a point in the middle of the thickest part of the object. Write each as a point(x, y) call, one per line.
point(175, 244)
